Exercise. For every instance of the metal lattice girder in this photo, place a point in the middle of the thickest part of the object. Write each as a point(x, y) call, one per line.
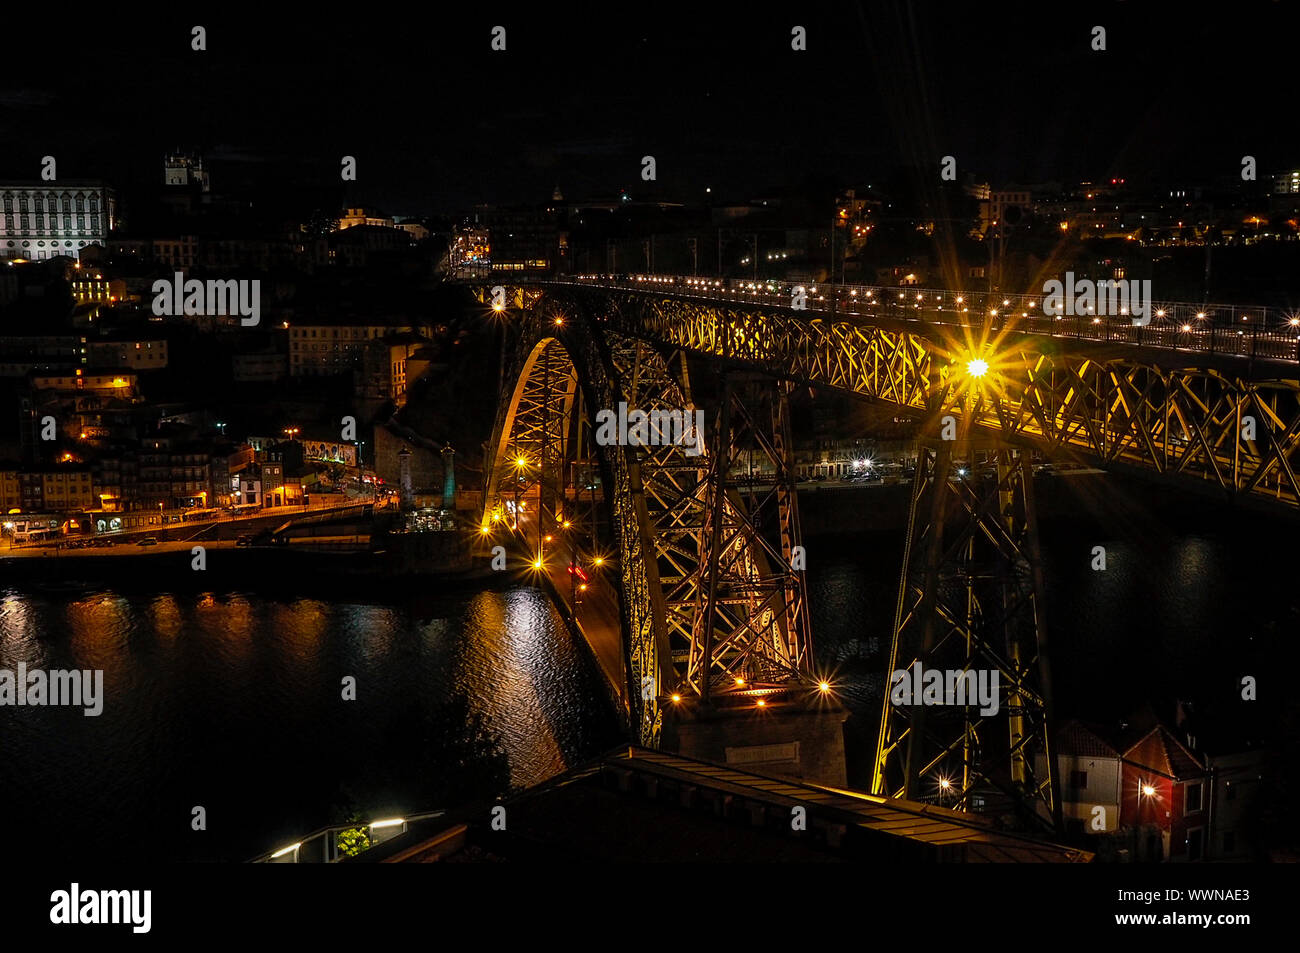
point(970, 600)
point(540, 411)
point(1182, 416)
point(751, 622)
point(664, 504)
point(558, 374)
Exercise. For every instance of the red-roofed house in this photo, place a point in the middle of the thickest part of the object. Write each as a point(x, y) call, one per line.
point(1164, 798)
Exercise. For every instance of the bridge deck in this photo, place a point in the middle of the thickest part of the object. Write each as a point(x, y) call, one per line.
point(1223, 331)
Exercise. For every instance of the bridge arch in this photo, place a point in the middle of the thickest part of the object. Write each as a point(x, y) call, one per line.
point(707, 604)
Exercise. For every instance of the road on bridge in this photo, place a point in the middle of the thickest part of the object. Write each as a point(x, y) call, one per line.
point(596, 612)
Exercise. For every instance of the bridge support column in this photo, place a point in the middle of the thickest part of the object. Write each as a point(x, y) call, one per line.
point(965, 719)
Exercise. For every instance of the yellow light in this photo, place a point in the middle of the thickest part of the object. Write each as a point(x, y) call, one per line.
point(521, 461)
point(824, 686)
point(945, 783)
point(498, 307)
point(389, 823)
point(548, 539)
point(567, 524)
point(761, 703)
point(977, 367)
point(559, 322)
point(583, 587)
point(677, 698)
point(740, 682)
point(485, 529)
point(598, 561)
point(284, 850)
point(537, 564)
point(1148, 790)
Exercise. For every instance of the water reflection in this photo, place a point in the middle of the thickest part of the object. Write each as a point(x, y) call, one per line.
point(234, 701)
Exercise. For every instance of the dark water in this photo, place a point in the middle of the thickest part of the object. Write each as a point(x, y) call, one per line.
point(1194, 597)
point(233, 701)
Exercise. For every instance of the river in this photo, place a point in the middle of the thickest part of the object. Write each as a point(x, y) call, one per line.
point(234, 701)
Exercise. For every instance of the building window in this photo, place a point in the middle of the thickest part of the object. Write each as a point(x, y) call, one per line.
point(1193, 802)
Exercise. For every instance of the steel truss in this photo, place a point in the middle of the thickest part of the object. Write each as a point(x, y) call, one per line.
point(970, 600)
point(970, 595)
point(1225, 423)
point(709, 605)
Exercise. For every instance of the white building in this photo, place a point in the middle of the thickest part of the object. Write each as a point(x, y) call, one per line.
point(186, 170)
point(41, 220)
point(1089, 773)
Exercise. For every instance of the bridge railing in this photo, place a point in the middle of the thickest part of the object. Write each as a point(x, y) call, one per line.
point(1232, 330)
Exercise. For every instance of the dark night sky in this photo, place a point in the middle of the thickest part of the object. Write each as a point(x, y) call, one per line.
point(438, 121)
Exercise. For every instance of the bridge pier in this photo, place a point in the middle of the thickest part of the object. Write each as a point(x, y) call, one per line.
point(795, 735)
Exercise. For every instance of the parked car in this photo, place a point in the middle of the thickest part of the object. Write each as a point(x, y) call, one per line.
point(148, 541)
point(245, 540)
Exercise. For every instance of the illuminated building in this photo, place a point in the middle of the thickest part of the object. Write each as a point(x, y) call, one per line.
point(184, 169)
point(470, 249)
point(53, 489)
point(89, 288)
point(352, 217)
point(117, 385)
point(129, 353)
point(323, 350)
point(40, 220)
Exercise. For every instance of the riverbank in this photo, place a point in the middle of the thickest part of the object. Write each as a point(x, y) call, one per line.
point(228, 567)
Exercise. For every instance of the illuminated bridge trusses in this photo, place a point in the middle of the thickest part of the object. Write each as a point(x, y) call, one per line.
point(1228, 422)
point(707, 602)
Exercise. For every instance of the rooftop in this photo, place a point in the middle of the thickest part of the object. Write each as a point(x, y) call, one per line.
point(639, 805)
